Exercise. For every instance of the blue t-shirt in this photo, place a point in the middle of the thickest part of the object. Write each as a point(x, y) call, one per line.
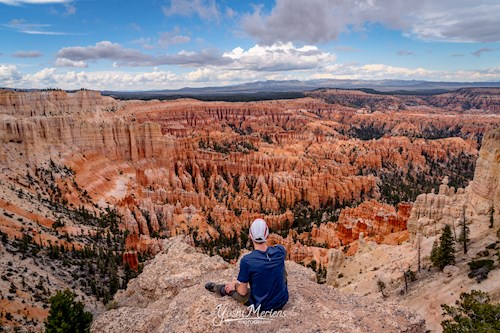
point(265, 271)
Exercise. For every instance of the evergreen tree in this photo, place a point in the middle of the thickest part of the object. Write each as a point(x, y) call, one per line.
point(66, 315)
point(444, 254)
point(473, 313)
point(464, 232)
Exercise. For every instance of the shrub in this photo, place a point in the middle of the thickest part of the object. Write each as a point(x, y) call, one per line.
point(66, 315)
point(491, 246)
point(476, 264)
point(473, 313)
point(381, 287)
point(480, 269)
point(112, 305)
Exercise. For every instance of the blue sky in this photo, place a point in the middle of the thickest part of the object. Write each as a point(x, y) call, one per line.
point(140, 45)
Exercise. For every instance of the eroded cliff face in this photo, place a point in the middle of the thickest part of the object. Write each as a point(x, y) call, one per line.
point(431, 211)
point(477, 202)
point(484, 193)
point(54, 103)
point(169, 296)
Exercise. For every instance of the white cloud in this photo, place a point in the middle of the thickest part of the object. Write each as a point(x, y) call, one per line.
point(172, 38)
point(49, 77)
point(180, 39)
point(27, 54)
point(230, 13)
point(222, 76)
point(279, 57)
point(134, 58)
point(323, 20)
point(457, 21)
point(205, 9)
point(45, 75)
point(9, 75)
point(165, 39)
point(63, 62)
point(32, 28)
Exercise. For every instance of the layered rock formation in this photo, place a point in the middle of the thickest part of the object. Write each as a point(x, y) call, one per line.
point(169, 296)
point(478, 201)
point(54, 103)
point(484, 195)
point(431, 211)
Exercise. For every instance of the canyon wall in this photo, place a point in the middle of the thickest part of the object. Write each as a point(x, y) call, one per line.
point(55, 103)
point(479, 201)
point(484, 192)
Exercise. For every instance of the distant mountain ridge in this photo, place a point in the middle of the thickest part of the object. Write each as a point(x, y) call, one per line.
point(272, 86)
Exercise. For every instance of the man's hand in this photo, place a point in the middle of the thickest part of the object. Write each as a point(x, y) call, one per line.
point(230, 286)
point(240, 288)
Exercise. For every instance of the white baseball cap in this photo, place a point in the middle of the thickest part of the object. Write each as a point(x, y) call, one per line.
point(259, 231)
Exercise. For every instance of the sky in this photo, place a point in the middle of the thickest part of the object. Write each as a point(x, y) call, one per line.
point(170, 44)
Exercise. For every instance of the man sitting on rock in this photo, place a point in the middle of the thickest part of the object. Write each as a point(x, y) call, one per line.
point(263, 269)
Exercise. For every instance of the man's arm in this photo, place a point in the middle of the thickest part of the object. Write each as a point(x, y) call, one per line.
point(240, 287)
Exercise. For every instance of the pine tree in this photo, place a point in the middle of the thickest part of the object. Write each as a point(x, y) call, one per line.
point(444, 254)
point(464, 232)
point(66, 315)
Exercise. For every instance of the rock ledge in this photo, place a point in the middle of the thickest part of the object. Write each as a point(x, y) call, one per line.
point(169, 296)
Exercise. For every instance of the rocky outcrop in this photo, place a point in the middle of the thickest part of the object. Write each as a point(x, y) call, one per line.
point(54, 103)
point(113, 138)
point(478, 201)
point(169, 296)
point(431, 211)
point(372, 218)
point(484, 192)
